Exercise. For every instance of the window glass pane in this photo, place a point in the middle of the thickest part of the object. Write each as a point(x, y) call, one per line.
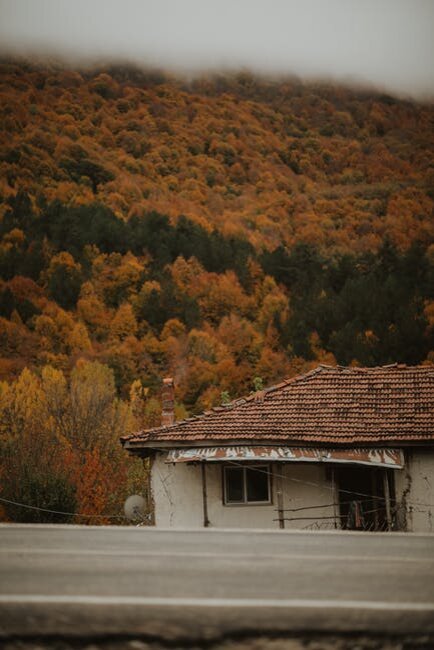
point(257, 483)
point(234, 484)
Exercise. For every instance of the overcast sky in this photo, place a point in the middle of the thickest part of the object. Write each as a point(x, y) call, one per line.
point(388, 43)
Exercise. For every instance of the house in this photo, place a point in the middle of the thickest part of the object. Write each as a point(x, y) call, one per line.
point(337, 447)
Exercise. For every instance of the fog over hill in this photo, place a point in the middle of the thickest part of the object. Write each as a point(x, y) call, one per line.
point(385, 43)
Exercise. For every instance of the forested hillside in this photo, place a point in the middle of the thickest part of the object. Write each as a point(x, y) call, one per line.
point(228, 231)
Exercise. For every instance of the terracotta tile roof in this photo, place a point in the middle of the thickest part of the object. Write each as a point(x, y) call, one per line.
point(329, 405)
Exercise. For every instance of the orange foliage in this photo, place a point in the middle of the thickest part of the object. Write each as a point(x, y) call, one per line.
point(266, 155)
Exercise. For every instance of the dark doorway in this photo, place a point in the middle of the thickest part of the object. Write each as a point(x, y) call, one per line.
point(362, 502)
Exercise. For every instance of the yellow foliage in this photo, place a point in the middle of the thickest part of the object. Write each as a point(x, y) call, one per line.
point(78, 339)
point(429, 313)
point(15, 237)
point(147, 288)
point(173, 328)
point(124, 322)
point(186, 275)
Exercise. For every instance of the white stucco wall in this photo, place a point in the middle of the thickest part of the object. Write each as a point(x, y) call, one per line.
point(177, 495)
point(415, 487)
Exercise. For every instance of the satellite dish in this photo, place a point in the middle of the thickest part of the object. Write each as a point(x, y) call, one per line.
point(134, 508)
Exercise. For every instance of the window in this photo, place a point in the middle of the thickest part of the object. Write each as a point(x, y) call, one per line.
point(246, 484)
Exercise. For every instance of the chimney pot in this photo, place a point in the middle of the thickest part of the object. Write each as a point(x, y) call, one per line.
point(168, 399)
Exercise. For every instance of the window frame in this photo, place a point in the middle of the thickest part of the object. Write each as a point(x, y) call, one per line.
point(263, 467)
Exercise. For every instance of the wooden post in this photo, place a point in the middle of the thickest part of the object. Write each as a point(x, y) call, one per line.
point(374, 502)
point(278, 470)
point(335, 497)
point(206, 521)
point(150, 505)
point(280, 509)
point(387, 499)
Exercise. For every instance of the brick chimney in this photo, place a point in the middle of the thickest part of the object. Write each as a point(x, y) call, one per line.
point(168, 399)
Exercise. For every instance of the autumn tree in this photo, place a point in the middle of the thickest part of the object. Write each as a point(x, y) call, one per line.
point(35, 467)
point(64, 278)
point(60, 445)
